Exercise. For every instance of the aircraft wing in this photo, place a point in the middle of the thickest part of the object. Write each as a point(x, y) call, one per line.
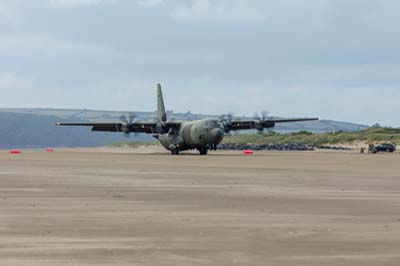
point(290, 120)
point(256, 124)
point(149, 128)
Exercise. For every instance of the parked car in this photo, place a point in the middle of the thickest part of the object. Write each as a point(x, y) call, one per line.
point(385, 147)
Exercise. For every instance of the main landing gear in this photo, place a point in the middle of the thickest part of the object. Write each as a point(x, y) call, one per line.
point(203, 150)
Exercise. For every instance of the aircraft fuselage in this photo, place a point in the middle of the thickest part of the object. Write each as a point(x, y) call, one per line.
point(193, 135)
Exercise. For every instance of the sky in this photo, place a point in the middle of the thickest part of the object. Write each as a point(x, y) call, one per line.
point(335, 59)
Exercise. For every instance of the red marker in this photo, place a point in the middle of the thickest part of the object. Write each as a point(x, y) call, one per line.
point(49, 149)
point(15, 151)
point(248, 152)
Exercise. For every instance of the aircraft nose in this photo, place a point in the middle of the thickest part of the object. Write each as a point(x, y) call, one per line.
point(216, 135)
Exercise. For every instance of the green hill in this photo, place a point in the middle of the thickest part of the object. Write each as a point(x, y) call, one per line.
point(18, 130)
point(304, 137)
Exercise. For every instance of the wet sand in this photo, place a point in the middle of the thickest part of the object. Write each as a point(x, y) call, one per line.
point(77, 207)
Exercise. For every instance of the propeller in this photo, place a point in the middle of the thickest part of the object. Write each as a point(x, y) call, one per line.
point(127, 123)
point(260, 118)
point(226, 120)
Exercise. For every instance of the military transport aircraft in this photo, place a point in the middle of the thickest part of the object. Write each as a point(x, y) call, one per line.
point(202, 135)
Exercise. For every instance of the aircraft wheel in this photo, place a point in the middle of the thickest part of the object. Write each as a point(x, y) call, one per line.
point(203, 150)
point(175, 152)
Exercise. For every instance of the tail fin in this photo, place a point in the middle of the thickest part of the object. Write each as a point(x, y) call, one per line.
point(161, 115)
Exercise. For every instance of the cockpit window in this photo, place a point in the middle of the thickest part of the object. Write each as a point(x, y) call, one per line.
point(213, 123)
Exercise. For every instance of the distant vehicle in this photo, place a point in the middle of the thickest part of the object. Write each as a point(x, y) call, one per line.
point(385, 147)
point(202, 135)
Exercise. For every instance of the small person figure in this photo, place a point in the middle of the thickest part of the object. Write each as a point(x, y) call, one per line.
point(371, 148)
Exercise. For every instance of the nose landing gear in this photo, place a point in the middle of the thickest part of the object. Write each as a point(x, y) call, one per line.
point(203, 150)
point(175, 151)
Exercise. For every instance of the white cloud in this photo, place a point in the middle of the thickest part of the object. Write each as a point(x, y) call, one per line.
point(220, 10)
point(19, 89)
point(326, 58)
point(150, 3)
point(8, 80)
point(4, 10)
point(8, 14)
point(20, 44)
point(77, 3)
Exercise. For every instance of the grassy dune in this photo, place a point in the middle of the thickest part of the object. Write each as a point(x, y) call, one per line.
point(376, 135)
